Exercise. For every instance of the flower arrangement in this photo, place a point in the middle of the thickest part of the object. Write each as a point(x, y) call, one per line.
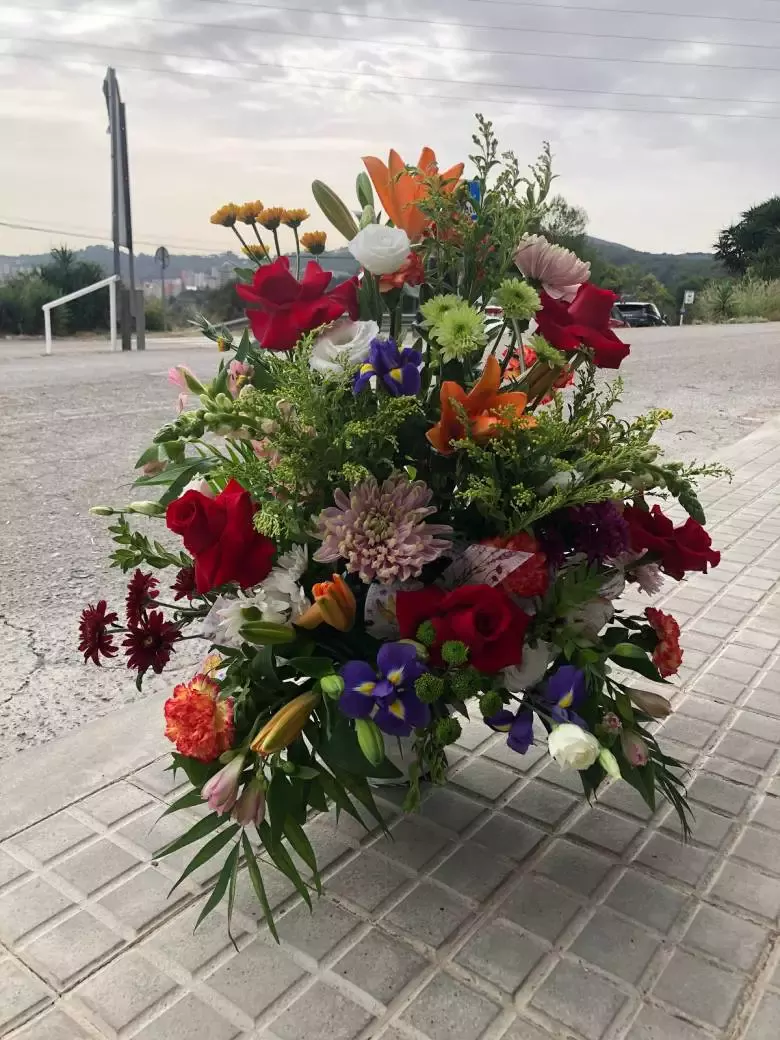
point(380, 529)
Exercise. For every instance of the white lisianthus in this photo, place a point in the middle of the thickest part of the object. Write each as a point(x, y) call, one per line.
point(591, 618)
point(531, 670)
point(199, 484)
point(572, 747)
point(342, 346)
point(380, 249)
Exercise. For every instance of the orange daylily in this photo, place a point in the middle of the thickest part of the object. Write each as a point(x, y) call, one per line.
point(401, 189)
point(334, 605)
point(488, 410)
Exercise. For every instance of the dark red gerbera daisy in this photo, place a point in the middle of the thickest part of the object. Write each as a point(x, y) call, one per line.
point(93, 630)
point(149, 643)
point(184, 584)
point(141, 591)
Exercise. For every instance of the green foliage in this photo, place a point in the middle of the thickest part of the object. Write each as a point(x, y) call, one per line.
point(753, 243)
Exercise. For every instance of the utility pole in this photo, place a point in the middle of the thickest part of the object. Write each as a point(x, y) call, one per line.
point(131, 308)
point(163, 258)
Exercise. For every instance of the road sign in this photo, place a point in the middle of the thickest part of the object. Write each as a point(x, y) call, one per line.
point(689, 297)
point(163, 257)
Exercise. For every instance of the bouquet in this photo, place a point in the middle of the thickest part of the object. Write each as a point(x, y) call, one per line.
point(403, 500)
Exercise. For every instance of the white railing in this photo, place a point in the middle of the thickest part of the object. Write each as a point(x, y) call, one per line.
point(110, 282)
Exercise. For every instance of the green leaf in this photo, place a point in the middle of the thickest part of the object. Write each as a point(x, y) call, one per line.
point(297, 838)
point(232, 896)
point(263, 668)
point(633, 657)
point(150, 455)
point(257, 883)
point(243, 347)
point(284, 862)
point(209, 850)
point(199, 830)
point(197, 772)
point(171, 473)
point(341, 751)
point(359, 788)
point(334, 790)
point(364, 190)
point(313, 667)
point(317, 798)
point(277, 802)
point(220, 887)
point(187, 801)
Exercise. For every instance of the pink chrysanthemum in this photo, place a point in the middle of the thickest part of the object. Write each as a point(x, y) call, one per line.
point(381, 531)
point(560, 271)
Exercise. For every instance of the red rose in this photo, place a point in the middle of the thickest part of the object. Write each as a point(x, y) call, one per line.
point(221, 537)
point(583, 322)
point(282, 309)
point(680, 549)
point(485, 618)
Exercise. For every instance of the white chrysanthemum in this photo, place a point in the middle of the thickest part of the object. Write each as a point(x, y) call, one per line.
point(342, 346)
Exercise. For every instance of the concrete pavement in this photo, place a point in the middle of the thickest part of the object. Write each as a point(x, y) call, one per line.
point(509, 910)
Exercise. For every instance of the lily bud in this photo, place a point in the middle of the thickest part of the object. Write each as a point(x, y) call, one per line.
point(634, 748)
point(102, 511)
point(267, 633)
point(371, 741)
point(609, 764)
point(334, 209)
point(146, 508)
point(221, 791)
point(332, 685)
point(249, 810)
point(651, 704)
point(286, 725)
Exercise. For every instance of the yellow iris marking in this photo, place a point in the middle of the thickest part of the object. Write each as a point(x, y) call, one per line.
point(567, 700)
point(397, 709)
point(366, 369)
point(503, 728)
point(395, 676)
point(395, 374)
point(365, 687)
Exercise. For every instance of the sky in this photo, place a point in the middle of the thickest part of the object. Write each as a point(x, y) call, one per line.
point(664, 125)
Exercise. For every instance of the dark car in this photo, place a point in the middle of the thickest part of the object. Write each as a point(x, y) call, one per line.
point(639, 315)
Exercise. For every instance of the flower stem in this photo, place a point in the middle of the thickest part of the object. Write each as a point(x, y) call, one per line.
point(521, 351)
point(262, 243)
point(239, 236)
point(297, 254)
point(276, 242)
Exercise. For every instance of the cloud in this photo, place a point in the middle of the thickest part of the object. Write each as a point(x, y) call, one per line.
point(239, 100)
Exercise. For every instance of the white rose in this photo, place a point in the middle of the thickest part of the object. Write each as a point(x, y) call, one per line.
point(199, 484)
point(572, 747)
point(343, 345)
point(531, 670)
point(380, 249)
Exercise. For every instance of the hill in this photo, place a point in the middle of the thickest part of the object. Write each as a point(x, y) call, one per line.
point(669, 268)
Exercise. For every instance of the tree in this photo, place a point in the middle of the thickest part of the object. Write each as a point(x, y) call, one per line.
point(753, 243)
point(564, 224)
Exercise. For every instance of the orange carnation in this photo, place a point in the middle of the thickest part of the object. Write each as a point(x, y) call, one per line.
point(198, 723)
point(667, 656)
point(488, 411)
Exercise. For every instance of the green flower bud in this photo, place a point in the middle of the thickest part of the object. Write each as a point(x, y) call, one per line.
point(454, 652)
point(490, 703)
point(267, 633)
point(224, 402)
point(447, 731)
point(609, 764)
point(426, 633)
point(466, 682)
point(332, 685)
point(102, 511)
point(371, 741)
point(146, 508)
point(429, 688)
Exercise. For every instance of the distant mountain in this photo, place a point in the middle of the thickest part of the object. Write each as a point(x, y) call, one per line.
point(669, 268)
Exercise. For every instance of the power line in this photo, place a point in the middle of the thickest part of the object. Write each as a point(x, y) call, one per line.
point(576, 7)
point(100, 237)
point(414, 79)
point(411, 44)
point(394, 20)
point(517, 102)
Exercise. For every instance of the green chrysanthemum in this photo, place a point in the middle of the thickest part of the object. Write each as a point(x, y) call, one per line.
point(460, 332)
point(518, 299)
point(435, 309)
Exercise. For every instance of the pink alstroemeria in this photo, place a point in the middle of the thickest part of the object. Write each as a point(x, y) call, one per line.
point(221, 791)
point(239, 374)
point(249, 810)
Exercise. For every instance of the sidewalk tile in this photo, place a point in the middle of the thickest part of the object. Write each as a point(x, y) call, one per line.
point(621, 948)
point(731, 939)
point(256, 976)
point(446, 1009)
point(502, 955)
point(367, 880)
point(28, 906)
point(473, 871)
point(653, 1023)
point(699, 989)
point(580, 999)
point(429, 914)
point(317, 931)
point(606, 830)
point(380, 965)
point(747, 888)
point(674, 859)
point(71, 948)
point(541, 907)
point(543, 803)
point(578, 869)
point(764, 1024)
point(21, 994)
point(647, 901)
point(189, 1019)
point(508, 837)
point(54, 1025)
point(125, 989)
point(321, 1012)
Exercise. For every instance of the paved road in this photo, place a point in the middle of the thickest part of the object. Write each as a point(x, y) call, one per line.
point(73, 424)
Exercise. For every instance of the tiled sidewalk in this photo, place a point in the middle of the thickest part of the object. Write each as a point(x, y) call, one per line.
point(509, 909)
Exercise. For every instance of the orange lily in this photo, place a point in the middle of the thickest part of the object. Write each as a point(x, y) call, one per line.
point(334, 605)
point(401, 189)
point(488, 411)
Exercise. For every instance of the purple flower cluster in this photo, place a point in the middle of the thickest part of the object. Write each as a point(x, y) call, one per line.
point(564, 691)
point(387, 693)
point(398, 370)
point(599, 530)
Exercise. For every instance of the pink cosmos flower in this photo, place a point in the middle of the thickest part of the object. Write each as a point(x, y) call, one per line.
point(239, 373)
point(559, 270)
point(381, 531)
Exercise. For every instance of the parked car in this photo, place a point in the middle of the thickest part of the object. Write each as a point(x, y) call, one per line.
point(640, 315)
point(616, 320)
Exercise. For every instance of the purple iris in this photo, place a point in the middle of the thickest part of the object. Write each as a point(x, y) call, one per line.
point(388, 697)
point(519, 727)
point(564, 691)
point(398, 369)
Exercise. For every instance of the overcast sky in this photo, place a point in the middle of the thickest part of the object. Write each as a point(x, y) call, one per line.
point(300, 106)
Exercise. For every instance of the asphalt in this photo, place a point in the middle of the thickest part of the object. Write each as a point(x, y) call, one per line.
point(72, 425)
